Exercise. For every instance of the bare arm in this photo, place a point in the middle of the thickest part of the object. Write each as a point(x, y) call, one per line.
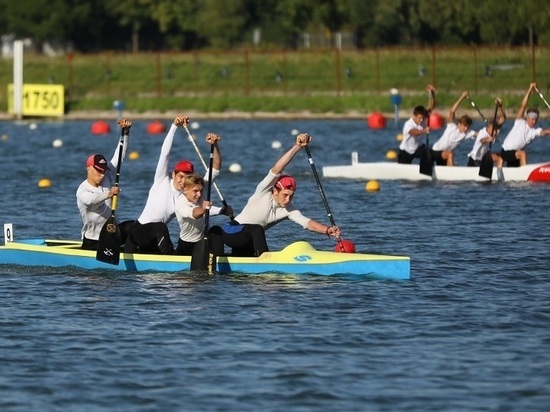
point(317, 227)
point(301, 141)
point(525, 100)
point(453, 110)
point(431, 98)
point(418, 132)
point(213, 139)
point(502, 114)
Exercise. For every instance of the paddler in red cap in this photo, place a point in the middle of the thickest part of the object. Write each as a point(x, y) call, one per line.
point(269, 205)
point(93, 196)
point(150, 234)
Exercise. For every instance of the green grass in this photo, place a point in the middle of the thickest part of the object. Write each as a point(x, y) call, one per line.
point(317, 81)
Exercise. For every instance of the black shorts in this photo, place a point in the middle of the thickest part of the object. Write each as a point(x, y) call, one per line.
point(509, 156)
point(407, 158)
point(473, 163)
point(437, 156)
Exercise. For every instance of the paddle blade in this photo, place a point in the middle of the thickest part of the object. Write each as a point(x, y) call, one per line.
point(108, 245)
point(345, 246)
point(486, 167)
point(426, 162)
point(203, 259)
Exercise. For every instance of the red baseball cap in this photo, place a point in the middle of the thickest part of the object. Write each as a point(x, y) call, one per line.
point(286, 182)
point(184, 166)
point(98, 162)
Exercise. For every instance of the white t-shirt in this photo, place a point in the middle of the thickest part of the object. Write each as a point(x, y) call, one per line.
point(411, 143)
point(479, 149)
point(520, 136)
point(261, 208)
point(451, 138)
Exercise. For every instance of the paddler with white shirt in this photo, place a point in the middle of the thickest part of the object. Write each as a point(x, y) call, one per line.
point(485, 137)
point(455, 133)
point(411, 146)
point(269, 205)
point(150, 234)
point(522, 134)
point(94, 195)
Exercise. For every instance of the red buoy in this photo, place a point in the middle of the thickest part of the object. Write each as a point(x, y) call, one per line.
point(156, 127)
point(436, 121)
point(100, 127)
point(377, 121)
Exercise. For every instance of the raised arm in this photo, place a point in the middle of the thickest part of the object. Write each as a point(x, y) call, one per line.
point(301, 141)
point(431, 98)
point(213, 139)
point(453, 110)
point(122, 123)
point(163, 162)
point(502, 114)
point(525, 101)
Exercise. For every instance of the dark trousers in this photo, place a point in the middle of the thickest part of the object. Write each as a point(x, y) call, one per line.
point(215, 243)
point(123, 227)
point(152, 238)
point(245, 240)
point(89, 244)
point(472, 162)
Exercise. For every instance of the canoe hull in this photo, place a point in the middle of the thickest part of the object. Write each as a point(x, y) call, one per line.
point(297, 258)
point(539, 172)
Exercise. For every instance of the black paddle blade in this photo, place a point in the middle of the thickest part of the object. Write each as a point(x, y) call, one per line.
point(426, 163)
point(108, 245)
point(203, 259)
point(486, 167)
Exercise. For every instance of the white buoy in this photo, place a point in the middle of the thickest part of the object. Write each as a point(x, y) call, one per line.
point(235, 168)
point(32, 126)
point(57, 143)
point(295, 132)
point(276, 144)
point(195, 125)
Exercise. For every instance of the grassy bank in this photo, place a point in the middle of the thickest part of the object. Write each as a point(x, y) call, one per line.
point(315, 81)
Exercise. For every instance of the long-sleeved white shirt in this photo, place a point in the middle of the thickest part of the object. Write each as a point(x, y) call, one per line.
point(93, 202)
point(161, 201)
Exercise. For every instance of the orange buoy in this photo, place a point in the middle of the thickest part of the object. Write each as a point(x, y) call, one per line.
point(156, 127)
point(436, 121)
point(377, 121)
point(100, 127)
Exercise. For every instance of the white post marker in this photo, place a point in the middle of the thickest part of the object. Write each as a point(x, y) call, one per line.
point(8, 232)
point(354, 158)
point(18, 78)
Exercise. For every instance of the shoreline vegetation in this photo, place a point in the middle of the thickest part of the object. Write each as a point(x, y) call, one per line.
point(339, 84)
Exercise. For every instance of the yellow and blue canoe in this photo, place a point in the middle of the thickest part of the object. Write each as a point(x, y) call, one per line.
point(297, 258)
